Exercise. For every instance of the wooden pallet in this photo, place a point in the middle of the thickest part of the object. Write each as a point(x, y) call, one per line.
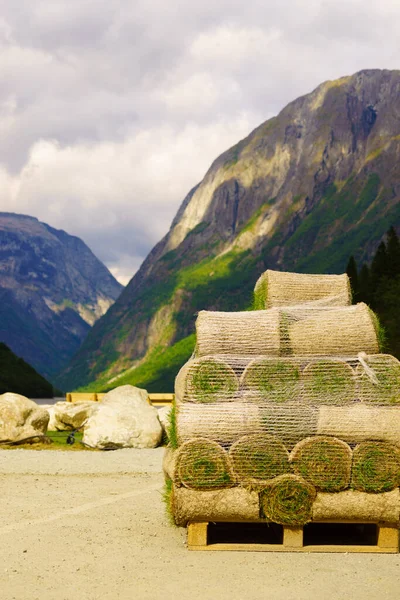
point(387, 541)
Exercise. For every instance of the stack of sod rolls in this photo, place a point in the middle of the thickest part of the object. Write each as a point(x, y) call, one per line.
point(287, 413)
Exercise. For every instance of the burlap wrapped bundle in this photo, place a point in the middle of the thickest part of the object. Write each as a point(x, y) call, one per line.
point(238, 333)
point(289, 422)
point(258, 458)
point(357, 506)
point(360, 422)
point(271, 379)
point(376, 467)
point(288, 500)
point(234, 504)
point(206, 379)
point(222, 422)
point(276, 288)
point(379, 380)
point(328, 381)
point(344, 331)
point(202, 464)
point(323, 461)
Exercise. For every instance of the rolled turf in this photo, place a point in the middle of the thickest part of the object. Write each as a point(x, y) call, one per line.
point(376, 467)
point(274, 380)
point(223, 422)
point(202, 464)
point(233, 504)
point(246, 333)
point(342, 331)
point(290, 422)
point(280, 288)
point(205, 380)
point(288, 500)
point(257, 459)
point(323, 461)
point(382, 386)
point(351, 505)
point(328, 381)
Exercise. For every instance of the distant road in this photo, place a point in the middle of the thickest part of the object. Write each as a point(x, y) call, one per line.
point(47, 400)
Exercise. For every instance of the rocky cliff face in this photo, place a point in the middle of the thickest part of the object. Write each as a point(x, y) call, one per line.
point(52, 290)
point(302, 192)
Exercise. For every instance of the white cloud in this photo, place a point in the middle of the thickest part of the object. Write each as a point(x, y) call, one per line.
point(110, 112)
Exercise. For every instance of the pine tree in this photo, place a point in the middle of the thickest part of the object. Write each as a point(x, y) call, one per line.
point(393, 253)
point(364, 293)
point(352, 272)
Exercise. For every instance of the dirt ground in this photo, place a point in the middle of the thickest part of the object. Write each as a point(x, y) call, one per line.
point(92, 526)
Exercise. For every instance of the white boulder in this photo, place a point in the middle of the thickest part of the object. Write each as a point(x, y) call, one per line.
point(52, 423)
point(164, 417)
point(123, 419)
point(21, 419)
point(68, 416)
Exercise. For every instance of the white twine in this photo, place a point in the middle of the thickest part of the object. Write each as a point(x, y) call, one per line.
point(362, 357)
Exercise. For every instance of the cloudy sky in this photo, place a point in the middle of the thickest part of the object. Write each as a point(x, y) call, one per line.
point(111, 110)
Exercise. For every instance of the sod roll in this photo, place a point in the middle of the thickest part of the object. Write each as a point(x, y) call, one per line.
point(357, 506)
point(328, 381)
point(222, 422)
point(258, 458)
point(272, 379)
point(168, 464)
point(289, 422)
point(241, 333)
point(360, 423)
point(343, 331)
point(323, 461)
point(376, 467)
point(205, 380)
point(379, 383)
point(276, 288)
point(234, 504)
point(288, 500)
point(202, 464)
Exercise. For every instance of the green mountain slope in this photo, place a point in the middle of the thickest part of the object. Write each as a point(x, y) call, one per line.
point(302, 192)
point(19, 377)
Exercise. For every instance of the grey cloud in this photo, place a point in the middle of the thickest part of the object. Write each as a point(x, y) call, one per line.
point(137, 98)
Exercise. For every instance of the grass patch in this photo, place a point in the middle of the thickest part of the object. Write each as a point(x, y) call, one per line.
point(172, 431)
point(54, 440)
point(167, 497)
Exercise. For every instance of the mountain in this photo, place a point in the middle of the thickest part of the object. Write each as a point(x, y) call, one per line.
point(303, 191)
point(19, 377)
point(52, 290)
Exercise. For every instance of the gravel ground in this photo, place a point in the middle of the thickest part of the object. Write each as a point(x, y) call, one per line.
point(92, 526)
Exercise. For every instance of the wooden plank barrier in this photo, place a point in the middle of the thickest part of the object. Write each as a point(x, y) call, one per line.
point(155, 399)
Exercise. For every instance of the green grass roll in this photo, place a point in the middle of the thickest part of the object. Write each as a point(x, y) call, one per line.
point(275, 380)
point(258, 458)
point(323, 461)
point(288, 500)
point(202, 464)
point(376, 467)
point(328, 381)
point(204, 380)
